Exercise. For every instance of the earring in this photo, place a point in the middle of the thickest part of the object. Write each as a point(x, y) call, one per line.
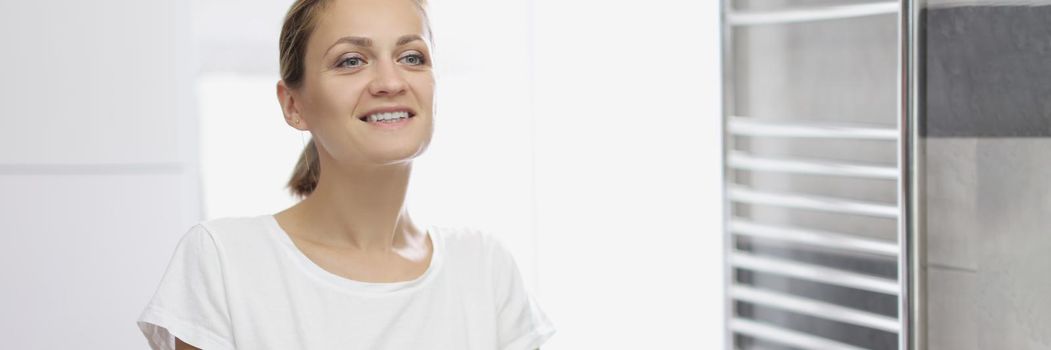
point(296, 121)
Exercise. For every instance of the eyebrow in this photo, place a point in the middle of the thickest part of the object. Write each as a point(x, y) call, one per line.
point(366, 42)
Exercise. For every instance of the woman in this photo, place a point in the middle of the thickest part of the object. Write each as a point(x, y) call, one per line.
point(346, 267)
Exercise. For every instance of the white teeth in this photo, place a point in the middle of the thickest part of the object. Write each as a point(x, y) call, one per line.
point(388, 116)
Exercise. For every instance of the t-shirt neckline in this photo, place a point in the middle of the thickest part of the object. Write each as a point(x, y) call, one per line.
point(355, 286)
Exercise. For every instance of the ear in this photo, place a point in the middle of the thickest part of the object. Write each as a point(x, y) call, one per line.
point(290, 107)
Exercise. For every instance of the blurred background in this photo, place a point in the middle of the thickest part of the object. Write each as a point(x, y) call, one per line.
point(747, 174)
point(585, 134)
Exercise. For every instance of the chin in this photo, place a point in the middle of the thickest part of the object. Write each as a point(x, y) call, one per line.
point(397, 154)
point(379, 146)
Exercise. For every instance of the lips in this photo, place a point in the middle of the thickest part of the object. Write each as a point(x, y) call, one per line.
point(385, 113)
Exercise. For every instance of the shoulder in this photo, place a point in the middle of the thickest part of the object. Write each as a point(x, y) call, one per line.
point(227, 227)
point(469, 240)
point(477, 248)
point(224, 240)
point(234, 230)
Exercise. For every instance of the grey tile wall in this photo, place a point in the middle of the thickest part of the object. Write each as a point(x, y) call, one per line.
point(987, 171)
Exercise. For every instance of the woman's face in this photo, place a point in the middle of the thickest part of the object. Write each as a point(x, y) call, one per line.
point(368, 88)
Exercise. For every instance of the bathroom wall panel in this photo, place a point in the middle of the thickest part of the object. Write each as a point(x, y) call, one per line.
point(94, 82)
point(985, 142)
point(83, 254)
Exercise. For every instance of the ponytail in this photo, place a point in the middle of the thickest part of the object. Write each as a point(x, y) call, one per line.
point(305, 175)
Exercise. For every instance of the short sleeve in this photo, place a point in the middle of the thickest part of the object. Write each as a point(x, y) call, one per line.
point(190, 302)
point(522, 324)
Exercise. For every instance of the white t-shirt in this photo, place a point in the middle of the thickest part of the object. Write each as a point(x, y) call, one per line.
point(241, 283)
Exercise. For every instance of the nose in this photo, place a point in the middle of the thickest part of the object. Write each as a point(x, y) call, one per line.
point(387, 81)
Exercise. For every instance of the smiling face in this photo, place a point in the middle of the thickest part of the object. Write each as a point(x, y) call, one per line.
point(368, 88)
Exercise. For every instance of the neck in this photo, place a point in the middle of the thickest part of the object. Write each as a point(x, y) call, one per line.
point(361, 208)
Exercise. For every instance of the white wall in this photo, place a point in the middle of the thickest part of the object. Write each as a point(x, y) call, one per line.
point(627, 173)
point(97, 166)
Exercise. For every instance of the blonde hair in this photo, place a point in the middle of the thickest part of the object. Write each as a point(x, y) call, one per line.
point(299, 24)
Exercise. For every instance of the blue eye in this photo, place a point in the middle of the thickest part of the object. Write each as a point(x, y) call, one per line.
point(354, 61)
point(414, 59)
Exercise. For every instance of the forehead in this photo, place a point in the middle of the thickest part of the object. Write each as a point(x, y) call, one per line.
point(381, 20)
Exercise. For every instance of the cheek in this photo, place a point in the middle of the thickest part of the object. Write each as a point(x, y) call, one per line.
point(424, 88)
point(341, 97)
